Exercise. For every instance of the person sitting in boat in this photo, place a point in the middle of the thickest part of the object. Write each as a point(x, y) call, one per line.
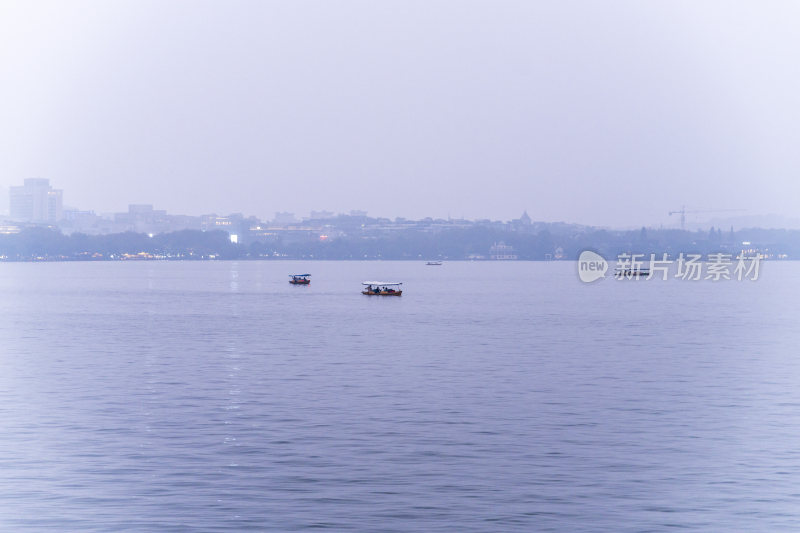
point(377, 290)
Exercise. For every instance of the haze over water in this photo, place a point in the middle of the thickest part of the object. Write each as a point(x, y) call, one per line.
point(609, 114)
point(162, 396)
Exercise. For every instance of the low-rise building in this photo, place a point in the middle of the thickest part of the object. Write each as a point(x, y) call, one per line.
point(501, 251)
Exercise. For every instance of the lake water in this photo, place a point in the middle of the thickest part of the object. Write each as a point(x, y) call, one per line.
point(165, 396)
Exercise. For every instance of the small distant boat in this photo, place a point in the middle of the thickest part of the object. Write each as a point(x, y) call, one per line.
point(382, 288)
point(434, 263)
point(299, 279)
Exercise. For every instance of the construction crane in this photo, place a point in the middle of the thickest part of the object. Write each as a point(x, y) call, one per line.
point(683, 212)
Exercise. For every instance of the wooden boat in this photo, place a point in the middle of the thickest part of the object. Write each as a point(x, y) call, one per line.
point(299, 279)
point(434, 263)
point(382, 288)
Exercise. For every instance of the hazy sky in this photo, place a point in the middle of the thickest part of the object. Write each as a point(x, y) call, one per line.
point(605, 113)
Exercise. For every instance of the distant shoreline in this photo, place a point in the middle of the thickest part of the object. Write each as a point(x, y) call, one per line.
point(522, 243)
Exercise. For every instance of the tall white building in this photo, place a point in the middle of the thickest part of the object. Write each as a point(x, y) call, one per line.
point(35, 201)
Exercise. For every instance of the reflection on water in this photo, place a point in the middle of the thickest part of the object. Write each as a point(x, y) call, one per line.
point(234, 265)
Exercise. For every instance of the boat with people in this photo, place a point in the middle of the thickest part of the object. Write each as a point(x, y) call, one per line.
point(299, 279)
point(434, 263)
point(382, 288)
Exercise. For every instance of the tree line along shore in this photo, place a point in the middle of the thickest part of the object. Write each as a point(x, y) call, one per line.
point(555, 243)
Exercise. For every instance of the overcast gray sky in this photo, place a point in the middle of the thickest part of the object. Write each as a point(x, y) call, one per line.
point(606, 113)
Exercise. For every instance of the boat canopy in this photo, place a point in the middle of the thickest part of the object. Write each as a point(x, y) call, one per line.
point(299, 275)
point(380, 283)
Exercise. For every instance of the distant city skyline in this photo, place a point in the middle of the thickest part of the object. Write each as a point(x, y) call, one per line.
point(51, 209)
point(609, 114)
